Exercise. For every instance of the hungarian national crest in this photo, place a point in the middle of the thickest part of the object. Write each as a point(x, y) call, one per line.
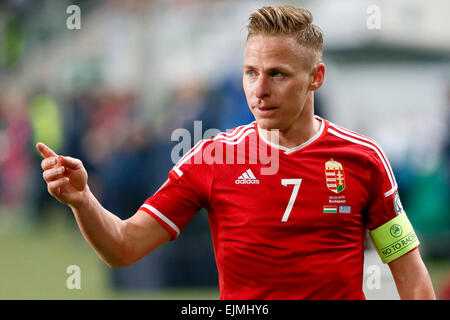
point(334, 175)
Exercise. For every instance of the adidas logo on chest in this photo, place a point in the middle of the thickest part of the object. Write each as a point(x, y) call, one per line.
point(247, 178)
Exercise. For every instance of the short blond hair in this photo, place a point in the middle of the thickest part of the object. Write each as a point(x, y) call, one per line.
point(287, 20)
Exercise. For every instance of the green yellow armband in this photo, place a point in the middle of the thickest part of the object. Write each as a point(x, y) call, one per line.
point(394, 238)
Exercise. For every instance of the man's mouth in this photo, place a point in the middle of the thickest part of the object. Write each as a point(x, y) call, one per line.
point(265, 110)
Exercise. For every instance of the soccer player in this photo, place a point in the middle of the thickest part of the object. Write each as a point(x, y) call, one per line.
point(293, 231)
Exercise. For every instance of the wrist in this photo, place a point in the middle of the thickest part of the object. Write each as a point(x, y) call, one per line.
point(84, 200)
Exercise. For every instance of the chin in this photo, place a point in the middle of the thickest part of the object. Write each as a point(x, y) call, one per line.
point(268, 124)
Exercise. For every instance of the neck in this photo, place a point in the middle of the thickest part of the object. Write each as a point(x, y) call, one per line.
point(300, 131)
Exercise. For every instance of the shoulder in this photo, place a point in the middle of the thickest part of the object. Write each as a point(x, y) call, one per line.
point(202, 153)
point(232, 137)
point(235, 135)
point(356, 141)
point(365, 147)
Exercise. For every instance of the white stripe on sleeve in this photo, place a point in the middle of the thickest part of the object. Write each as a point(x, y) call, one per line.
point(163, 218)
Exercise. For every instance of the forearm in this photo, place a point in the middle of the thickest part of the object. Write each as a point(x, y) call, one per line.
point(101, 229)
point(416, 289)
point(415, 285)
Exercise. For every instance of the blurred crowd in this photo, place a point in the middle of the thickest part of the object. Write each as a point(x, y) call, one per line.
point(125, 152)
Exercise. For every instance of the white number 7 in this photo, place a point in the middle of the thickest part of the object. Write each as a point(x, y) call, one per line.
point(296, 183)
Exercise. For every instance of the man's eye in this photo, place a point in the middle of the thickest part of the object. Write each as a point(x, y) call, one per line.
point(276, 74)
point(251, 73)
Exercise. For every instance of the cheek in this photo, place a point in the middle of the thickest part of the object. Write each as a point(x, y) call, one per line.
point(244, 86)
point(294, 94)
point(247, 90)
point(295, 98)
point(301, 88)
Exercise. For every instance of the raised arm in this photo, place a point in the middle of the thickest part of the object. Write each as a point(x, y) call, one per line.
point(117, 242)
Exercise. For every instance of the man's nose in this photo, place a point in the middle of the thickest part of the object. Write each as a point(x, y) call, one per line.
point(262, 87)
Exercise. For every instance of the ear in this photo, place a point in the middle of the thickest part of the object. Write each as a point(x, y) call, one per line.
point(318, 76)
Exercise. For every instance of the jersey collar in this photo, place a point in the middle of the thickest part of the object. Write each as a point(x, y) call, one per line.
point(319, 134)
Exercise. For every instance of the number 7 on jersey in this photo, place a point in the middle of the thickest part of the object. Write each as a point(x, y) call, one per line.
point(296, 183)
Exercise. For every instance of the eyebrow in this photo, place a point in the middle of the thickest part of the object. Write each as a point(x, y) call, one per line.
point(275, 68)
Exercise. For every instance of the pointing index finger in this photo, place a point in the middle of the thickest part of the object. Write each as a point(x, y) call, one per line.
point(45, 151)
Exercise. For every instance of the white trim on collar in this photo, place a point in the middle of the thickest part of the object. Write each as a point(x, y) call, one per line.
point(304, 144)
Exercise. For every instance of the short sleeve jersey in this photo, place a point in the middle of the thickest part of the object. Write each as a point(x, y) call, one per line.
point(285, 223)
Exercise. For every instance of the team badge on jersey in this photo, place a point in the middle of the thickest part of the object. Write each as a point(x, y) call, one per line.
point(334, 175)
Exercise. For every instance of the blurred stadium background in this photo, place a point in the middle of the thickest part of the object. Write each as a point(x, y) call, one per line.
point(112, 92)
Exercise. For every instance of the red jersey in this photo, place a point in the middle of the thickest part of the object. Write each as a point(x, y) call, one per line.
point(296, 232)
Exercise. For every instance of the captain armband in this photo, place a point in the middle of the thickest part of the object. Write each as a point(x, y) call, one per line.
point(394, 238)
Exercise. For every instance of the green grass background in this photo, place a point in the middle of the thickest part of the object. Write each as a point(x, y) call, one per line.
point(33, 263)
